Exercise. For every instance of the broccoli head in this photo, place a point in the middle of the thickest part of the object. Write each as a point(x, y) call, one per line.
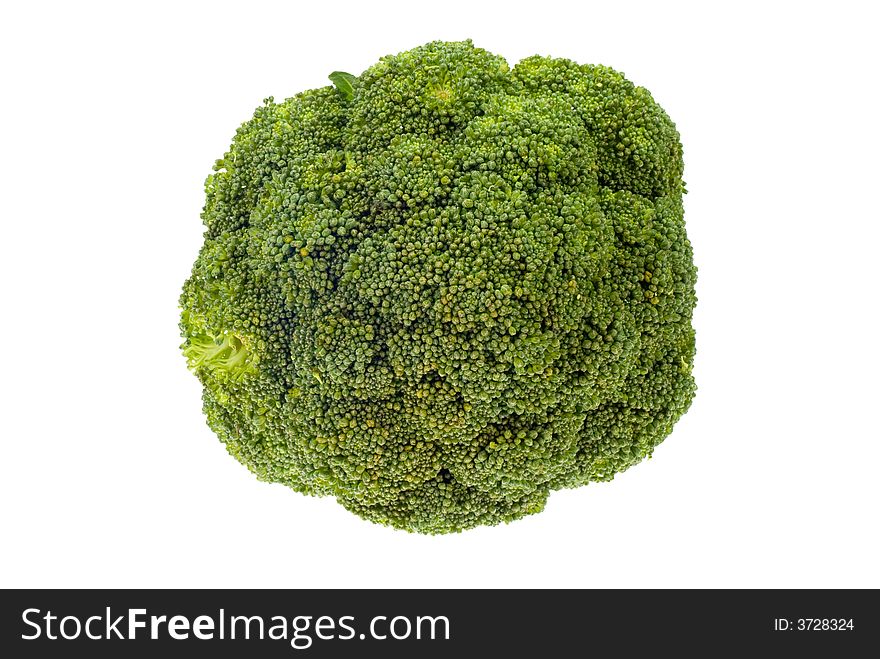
point(444, 288)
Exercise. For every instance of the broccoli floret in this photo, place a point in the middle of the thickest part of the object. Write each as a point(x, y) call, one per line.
point(442, 289)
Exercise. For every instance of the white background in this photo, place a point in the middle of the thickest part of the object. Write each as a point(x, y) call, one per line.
point(112, 117)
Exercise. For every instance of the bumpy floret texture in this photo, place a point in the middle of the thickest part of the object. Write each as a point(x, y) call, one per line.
point(446, 288)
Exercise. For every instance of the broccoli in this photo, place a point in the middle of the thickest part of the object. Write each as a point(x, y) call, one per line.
point(444, 288)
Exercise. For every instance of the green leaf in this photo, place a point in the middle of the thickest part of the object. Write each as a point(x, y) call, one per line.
point(344, 83)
